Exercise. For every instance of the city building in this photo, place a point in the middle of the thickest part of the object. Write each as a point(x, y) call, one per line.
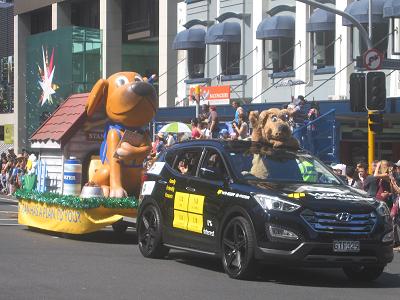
point(268, 51)
point(6, 74)
point(63, 47)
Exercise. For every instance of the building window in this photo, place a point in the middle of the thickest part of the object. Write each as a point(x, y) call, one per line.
point(196, 59)
point(41, 20)
point(86, 13)
point(324, 49)
point(140, 19)
point(282, 54)
point(380, 39)
point(230, 58)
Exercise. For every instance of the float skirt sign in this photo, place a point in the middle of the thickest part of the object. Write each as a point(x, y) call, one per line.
point(212, 95)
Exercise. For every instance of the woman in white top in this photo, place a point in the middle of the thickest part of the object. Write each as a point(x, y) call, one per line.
point(242, 128)
point(170, 139)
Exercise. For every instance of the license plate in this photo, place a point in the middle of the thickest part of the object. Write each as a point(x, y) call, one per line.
point(346, 246)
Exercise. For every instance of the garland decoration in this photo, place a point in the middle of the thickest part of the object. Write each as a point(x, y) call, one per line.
point(76, 202)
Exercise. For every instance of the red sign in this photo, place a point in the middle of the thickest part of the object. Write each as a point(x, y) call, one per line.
point(373, 59)
point(212, 95)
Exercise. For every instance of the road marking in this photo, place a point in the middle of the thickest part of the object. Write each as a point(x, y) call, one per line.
point(12, 225)
point(9, 199)
point(9, 219)
point(7, 212)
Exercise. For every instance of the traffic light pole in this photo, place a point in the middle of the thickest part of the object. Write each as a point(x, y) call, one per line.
point(371, 142)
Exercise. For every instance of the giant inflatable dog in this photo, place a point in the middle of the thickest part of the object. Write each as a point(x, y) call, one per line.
point(130, 103)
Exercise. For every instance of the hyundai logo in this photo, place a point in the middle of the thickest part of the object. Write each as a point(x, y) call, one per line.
point(344, 217)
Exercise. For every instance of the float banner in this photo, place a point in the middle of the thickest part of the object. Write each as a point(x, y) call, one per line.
point(212, 95)
point(68, 220)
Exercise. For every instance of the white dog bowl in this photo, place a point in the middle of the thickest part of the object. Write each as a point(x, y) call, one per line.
point(91, 191)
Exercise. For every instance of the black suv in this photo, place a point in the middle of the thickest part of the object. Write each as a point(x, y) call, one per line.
point(248, 202)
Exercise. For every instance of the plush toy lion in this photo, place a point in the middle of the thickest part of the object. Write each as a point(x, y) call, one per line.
point(130, 103)
point(271, 126)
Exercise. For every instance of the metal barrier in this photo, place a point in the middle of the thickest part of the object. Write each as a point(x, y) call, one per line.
point(319, 137)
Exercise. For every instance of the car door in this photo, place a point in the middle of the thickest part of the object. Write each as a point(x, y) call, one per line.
point(209, 184)
point(178, 193)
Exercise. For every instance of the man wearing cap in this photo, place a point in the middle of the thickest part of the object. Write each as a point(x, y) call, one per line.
point(213, 122)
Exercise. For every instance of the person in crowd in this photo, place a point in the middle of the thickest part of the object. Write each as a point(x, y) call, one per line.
point(204, 131)
point(296, 111)
point(213, 122)
point(238, 110)
point(3, 174)
point(11, 153)
point(170, 140)
point(161, 144)
point(362, 171)
point(205, 112)
point(242, 128)
point(383, 182)
point(196, 134)
point(340, 170)
point(224, 134)
point(352, 178)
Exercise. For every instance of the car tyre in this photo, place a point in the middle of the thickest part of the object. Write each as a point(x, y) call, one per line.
point(363, 273)
point(149, 233)
point(237, 245)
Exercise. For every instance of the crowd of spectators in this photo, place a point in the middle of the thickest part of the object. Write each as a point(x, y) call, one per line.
point(383, 183)
point(13, 167)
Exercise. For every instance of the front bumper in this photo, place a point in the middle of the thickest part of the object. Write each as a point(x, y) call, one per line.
point(322, 255)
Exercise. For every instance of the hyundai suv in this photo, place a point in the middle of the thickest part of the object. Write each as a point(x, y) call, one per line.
point(248, 202)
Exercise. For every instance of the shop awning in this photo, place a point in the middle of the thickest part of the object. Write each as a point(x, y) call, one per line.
point(321, 20)
point(226, 32)
point(359, 10)
point(276, 27)
point(391, 9)
point(189, 39)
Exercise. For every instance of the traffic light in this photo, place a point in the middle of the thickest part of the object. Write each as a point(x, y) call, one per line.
point(357, 92)
point(376, 90)
point(375, 122)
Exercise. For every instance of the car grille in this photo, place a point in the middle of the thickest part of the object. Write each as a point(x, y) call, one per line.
point(328, 223)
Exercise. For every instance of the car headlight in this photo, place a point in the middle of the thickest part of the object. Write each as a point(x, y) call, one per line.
point(383, 210)
point(275, 203)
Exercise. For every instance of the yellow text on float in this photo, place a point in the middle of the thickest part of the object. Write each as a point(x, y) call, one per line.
point(188, 212)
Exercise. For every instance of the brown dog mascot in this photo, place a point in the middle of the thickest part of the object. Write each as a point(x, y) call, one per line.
point(130, 103)
point(271, 126)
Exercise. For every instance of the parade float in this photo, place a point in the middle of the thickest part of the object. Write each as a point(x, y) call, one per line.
point(100, 139)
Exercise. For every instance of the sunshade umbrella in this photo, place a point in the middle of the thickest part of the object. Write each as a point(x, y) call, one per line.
point(290, 82)
point(176, 127)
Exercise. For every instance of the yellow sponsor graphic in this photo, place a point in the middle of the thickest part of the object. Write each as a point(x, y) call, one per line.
point(181, 201)
point(180, 219)
point(296, 195)
point(195, 223)
point(196, 204)
point(188, 212)
point(68, 220)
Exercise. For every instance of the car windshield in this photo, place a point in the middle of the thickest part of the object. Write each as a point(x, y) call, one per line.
point(267, 164)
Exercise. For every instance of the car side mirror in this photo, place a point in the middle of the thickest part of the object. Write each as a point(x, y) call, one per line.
point(210, 174)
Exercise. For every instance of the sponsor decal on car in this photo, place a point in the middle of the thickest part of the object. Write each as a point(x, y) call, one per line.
point(232, 194)
point(188, 212)
point(170, 189)
point(296, 195)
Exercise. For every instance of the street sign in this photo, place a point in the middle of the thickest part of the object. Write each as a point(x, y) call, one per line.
point(372, 59)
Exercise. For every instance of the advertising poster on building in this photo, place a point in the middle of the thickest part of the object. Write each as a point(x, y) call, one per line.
point(9, 134)
point(212, 95)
